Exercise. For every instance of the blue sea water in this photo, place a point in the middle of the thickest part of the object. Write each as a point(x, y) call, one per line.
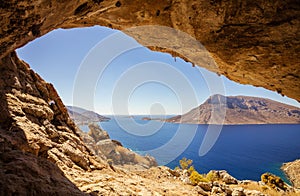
point(245, 151)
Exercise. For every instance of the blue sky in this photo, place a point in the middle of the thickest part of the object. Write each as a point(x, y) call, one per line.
point(137, 81)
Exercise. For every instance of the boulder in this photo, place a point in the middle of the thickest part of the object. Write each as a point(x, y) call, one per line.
point(200, 191)
point(239, 191)
point(228, 179)
point(207, 186)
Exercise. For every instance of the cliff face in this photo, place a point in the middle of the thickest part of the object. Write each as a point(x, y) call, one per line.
point(36, 129)
point(241, 110)
point(253, 42)
point(292, 169)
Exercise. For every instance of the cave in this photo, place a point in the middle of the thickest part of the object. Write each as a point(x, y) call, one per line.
point(252, 42)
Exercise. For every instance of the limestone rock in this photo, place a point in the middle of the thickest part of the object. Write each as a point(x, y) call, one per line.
point(207, 186)
point(238, 192)
point(253, 42)
point(224, 177)
point(26, 174)
point(292, 169)
point(174, 172)
point(228, 179)
point(200, 191)
point(101, 145)
point(253, 193)
point(96, 133)
point(216, 190)
point(42, 132)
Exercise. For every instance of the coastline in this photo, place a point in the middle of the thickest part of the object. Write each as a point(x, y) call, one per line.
point(291, 170)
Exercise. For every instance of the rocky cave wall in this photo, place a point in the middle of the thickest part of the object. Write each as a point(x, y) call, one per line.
point(253, 42)
point(38, 140)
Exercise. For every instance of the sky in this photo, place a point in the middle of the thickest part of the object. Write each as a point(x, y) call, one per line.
point(104, 70)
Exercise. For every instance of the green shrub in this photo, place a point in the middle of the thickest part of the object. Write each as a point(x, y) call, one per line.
point(185, 163)
point(273, 181)
point(212, 176)
point(195, 178)
point(191, 169)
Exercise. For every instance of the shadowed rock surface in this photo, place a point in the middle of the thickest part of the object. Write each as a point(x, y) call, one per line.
point(240, 110)
point(35, 134)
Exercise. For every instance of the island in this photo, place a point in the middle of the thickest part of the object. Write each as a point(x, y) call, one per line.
point(240, 110)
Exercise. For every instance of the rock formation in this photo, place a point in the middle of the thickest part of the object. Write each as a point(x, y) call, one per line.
point(101, 145)
point(292, 169)
point(252, 42)
point(221, 184)
point(240, 110)
point(36, 132)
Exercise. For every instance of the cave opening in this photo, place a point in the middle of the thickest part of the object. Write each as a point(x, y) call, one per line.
point(40, 147)
point(59, 55)
point(136, 88)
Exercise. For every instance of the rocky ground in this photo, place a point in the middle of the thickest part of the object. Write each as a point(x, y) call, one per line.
point(99, 142)
point(292, 169)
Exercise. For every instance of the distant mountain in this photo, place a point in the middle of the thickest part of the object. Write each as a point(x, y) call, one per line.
point(240, 110)
point(83, 116)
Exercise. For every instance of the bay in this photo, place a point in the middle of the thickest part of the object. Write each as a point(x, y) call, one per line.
point(245, 151)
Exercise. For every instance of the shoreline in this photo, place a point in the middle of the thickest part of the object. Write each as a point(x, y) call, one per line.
point(291, 170)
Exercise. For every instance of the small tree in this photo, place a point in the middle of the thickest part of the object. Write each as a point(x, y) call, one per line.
point(191, 169)
point(185, 163)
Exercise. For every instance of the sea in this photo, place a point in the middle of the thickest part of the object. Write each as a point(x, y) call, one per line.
point(245, 151)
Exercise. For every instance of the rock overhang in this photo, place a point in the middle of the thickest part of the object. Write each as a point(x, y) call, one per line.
point(255, 43)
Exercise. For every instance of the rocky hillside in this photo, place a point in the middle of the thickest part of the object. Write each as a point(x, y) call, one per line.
point(82, 116)
point(292, 169)
point(40, 146)
point(241, 110)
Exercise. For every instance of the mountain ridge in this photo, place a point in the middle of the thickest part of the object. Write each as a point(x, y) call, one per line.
point(83, 116)
point(239, 110)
